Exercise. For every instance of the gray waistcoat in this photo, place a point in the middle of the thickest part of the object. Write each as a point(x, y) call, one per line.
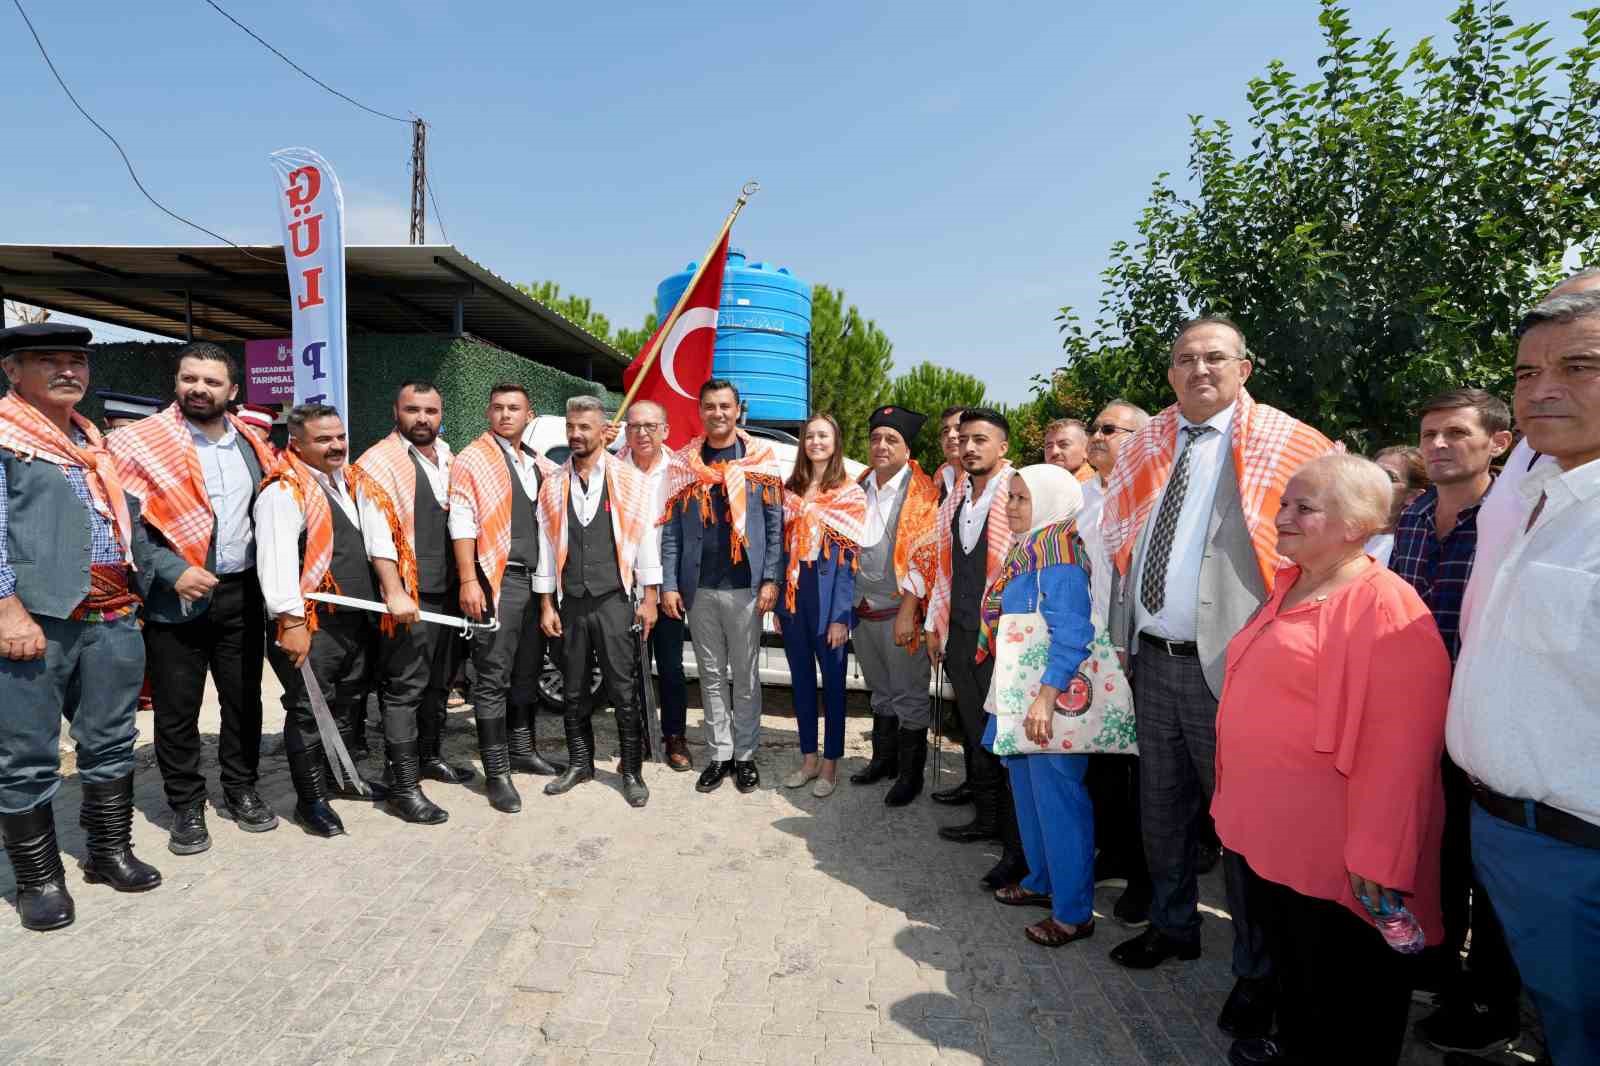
point(875, 580)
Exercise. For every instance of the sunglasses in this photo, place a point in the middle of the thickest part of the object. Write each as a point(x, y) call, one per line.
point(1106, 429)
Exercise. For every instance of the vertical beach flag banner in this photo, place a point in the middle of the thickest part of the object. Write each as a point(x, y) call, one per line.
point(311, 208)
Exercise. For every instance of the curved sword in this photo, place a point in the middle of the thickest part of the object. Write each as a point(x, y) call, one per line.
point(466, 625)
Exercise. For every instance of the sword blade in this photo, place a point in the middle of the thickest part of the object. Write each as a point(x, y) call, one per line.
point(466, 625)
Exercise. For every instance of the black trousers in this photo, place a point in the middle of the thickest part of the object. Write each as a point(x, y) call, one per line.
point(1113, 784)
point(340, 658)
point(971, 683)
point(507, 662)
point(415, 667)
point(1343, 994)
point(603, 624)
point(226, 642)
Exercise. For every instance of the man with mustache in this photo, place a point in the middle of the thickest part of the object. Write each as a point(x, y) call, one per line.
point(413, 466)
point(321, 526)
point(195, 469)
point(70, 541)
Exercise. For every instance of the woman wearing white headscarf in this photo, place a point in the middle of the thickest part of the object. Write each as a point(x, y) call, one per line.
point(1046, 572)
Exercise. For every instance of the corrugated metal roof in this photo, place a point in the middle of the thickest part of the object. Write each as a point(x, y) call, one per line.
point(243, 293)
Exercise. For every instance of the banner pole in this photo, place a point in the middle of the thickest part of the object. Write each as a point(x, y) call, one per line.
point(654, 344)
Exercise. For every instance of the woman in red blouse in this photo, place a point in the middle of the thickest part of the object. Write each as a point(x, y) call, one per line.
point(1329, 735)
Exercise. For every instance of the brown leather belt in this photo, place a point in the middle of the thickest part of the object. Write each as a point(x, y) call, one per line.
point(1540, 817)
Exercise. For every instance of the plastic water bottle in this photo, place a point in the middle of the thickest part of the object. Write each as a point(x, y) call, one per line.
point(1399, 928)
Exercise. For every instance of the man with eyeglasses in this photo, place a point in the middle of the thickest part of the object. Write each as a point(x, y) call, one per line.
point(646, 448)
point(1188, 521)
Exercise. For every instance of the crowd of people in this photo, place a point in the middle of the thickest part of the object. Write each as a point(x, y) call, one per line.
point(1367, 679)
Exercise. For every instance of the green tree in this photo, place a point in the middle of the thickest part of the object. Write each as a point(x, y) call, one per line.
point(1378, 239)
point(575, 309)
point(928, 388)
point(850, 363)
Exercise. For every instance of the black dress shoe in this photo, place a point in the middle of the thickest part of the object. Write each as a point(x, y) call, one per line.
point(1151, 948)
point(1259, 1051)
point(188, 835)
point(746, 778)
point(1462, 1025)
point(1248, 1012)
point(249, 813)
point(1132, 908)
point(1010, 870)
point(711, 777)
point(954, 796)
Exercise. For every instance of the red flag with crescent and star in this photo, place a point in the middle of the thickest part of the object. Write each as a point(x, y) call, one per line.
point(684, 362)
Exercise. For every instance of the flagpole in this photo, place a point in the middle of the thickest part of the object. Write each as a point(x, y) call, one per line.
point(661, 334)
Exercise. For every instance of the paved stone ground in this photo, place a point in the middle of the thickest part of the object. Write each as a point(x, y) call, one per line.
point(773, 928)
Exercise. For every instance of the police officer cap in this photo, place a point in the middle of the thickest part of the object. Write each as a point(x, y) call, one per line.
point(44, 337)
point(902, 420)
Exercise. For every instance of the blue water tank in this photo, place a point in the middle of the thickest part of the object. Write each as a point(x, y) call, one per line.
point(763, 333)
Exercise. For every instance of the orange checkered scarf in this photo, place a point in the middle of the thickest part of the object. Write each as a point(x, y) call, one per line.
point(997, 542)
point(389, 464)
point(627, 507)
point(28, 434)
point(1268, 447)
point(694, 479)
point(916, 543)
point(315, 575)
point(831, 521)
point(481, 482)
point(158, 462)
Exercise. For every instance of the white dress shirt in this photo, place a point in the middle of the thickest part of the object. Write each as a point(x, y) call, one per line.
point(655, 480)
point(1380, 546)
point(279, 522)
point(947, 474)
point(436, 470)
point(1179, 618)
point(974, 513)
point(1501, 516)
point(1522, 712)
point(464, 522)
point(229, 486)
point(586, 502)
point(1094, 545)
point(880, 508)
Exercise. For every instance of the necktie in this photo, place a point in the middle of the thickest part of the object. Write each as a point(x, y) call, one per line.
point(1153, 584)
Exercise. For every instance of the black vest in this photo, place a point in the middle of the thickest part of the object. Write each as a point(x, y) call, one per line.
point(431, 540)
point(591, 568)
point(350, 567)
point(968, 575)
point(524, 524)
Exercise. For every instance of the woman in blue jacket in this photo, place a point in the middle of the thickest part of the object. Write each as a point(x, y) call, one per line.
point(825, 521)
point(1044, 575)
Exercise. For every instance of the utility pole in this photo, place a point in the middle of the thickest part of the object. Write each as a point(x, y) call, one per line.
point(419, 181)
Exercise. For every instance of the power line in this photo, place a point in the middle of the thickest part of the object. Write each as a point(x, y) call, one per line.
point(437, 214)
point(303, 70)
point(118, 146)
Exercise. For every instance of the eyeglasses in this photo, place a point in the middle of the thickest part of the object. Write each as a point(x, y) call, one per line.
point(1106, 429)
point(644, 427)
point(1212, 360)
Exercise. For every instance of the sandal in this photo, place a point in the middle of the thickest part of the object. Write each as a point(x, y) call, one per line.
point(1017, 896)
point(1052, 934)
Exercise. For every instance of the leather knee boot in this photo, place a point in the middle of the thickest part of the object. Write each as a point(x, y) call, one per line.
point(107, 816)
point(522, 737)
point(885, 751)
point(430, 751)
point(985, 824)
point(496, 757)
point(580, 753)
point(43, 902)
point(911, 760)
point(1013, 864)
point(353, 731)
point(405, 794)
point(630, 736)
point(308, 769)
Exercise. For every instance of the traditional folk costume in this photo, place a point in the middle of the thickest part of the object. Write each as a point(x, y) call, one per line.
point(666, 639)
point(69, 541)
point(494, 488)
point(901, 561)
point(415, 661)
point(1189, 522)
point(320, 533)
point(597, 545)
point(196, 496)
point(721, 540)
point(823, 536)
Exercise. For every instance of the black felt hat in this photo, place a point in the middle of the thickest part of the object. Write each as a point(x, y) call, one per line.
point(902, 420)
point(44, 337)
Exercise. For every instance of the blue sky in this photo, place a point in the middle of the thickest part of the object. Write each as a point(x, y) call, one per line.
point(958, 169)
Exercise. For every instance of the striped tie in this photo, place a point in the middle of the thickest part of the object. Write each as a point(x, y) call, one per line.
point(1153, 585)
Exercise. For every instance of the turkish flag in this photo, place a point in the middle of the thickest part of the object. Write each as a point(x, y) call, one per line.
point(684, 362)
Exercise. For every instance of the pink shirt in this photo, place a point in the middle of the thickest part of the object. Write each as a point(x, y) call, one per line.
point(1329, 737)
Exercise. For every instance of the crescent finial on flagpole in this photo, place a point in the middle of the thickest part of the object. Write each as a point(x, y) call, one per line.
point(750, 189)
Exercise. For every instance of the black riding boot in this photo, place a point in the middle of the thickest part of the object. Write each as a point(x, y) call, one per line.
point(522, 735)
point(885, 751)
point(630, 737)
point(107, 816)
point(1013, 864)
point(43, 902)
point(985, 824)
point(580, 753)
point(910, 761)
point(497, 766)
point(430, 752)
point(353, 731)
point(958, 794)
point(405, 794)
point(308, 770)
